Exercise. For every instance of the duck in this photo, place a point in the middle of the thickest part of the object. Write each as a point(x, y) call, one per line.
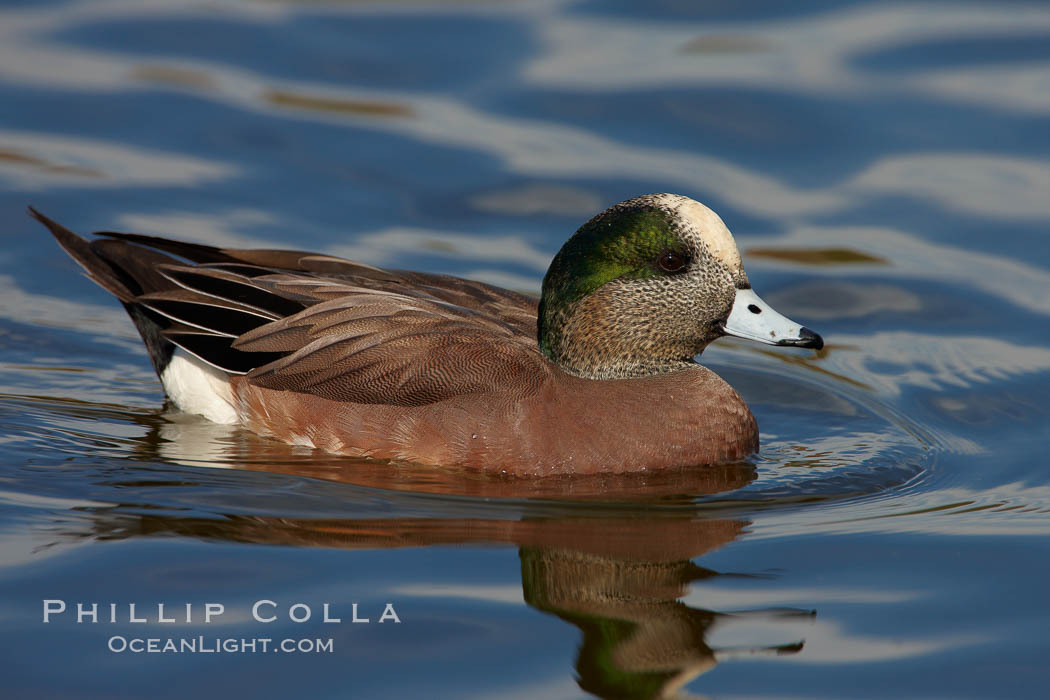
point(597, 376)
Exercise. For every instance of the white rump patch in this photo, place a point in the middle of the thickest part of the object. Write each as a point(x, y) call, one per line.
point(708, 226)
point(197, 387)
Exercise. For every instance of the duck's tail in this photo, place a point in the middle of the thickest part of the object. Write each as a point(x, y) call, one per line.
point(201, 306)
point(126, 272)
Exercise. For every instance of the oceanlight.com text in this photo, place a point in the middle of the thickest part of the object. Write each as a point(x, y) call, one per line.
point(201, 644)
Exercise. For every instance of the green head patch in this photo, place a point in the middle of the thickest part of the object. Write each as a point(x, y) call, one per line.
point(624, 242)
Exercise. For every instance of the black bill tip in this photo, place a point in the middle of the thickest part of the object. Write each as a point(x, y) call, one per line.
point(806, 339)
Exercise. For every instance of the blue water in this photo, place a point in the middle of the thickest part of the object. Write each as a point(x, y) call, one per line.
point(885, 168)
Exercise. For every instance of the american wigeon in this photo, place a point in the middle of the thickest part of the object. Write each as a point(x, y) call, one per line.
point(598, 375)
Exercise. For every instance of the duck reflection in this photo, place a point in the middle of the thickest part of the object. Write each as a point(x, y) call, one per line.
point(615, 571)
point(618, 579)
point(639, 640)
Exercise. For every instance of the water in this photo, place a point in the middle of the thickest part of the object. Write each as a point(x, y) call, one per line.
point(885, 168)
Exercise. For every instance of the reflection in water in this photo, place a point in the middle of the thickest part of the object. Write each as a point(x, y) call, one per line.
point(607, 53)
point(536, 199)
point(965, 182)
point(286, 98)
point(1020, 283)
point(639, 639)
point(179, 76)
point(817, 256)
point(810, 54)
point(12, 158)
point(529, 147)
point(59, 312)
point(891, 361)
point(37, 160)
point(838, 299)
point(619, 580)
point(727, 43)
point(221, 228)
point(384, 247)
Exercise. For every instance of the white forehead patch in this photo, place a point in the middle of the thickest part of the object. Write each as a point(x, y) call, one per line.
point(706, 225)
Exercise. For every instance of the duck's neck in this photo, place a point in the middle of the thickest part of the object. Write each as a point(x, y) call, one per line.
point(586, 368)
point(596, 340)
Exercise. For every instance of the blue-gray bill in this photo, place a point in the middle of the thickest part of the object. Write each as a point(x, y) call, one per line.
point(754, 319)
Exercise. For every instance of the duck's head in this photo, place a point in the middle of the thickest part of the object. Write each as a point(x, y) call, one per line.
point(643, 287)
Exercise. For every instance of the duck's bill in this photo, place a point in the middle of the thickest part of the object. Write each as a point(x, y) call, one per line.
point(754, 319)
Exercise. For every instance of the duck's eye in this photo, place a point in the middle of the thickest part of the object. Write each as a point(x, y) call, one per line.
point(672, 262)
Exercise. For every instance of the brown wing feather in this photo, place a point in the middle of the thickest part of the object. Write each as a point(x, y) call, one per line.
point(319, 324)
point(379, 347)
point(517, 309)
